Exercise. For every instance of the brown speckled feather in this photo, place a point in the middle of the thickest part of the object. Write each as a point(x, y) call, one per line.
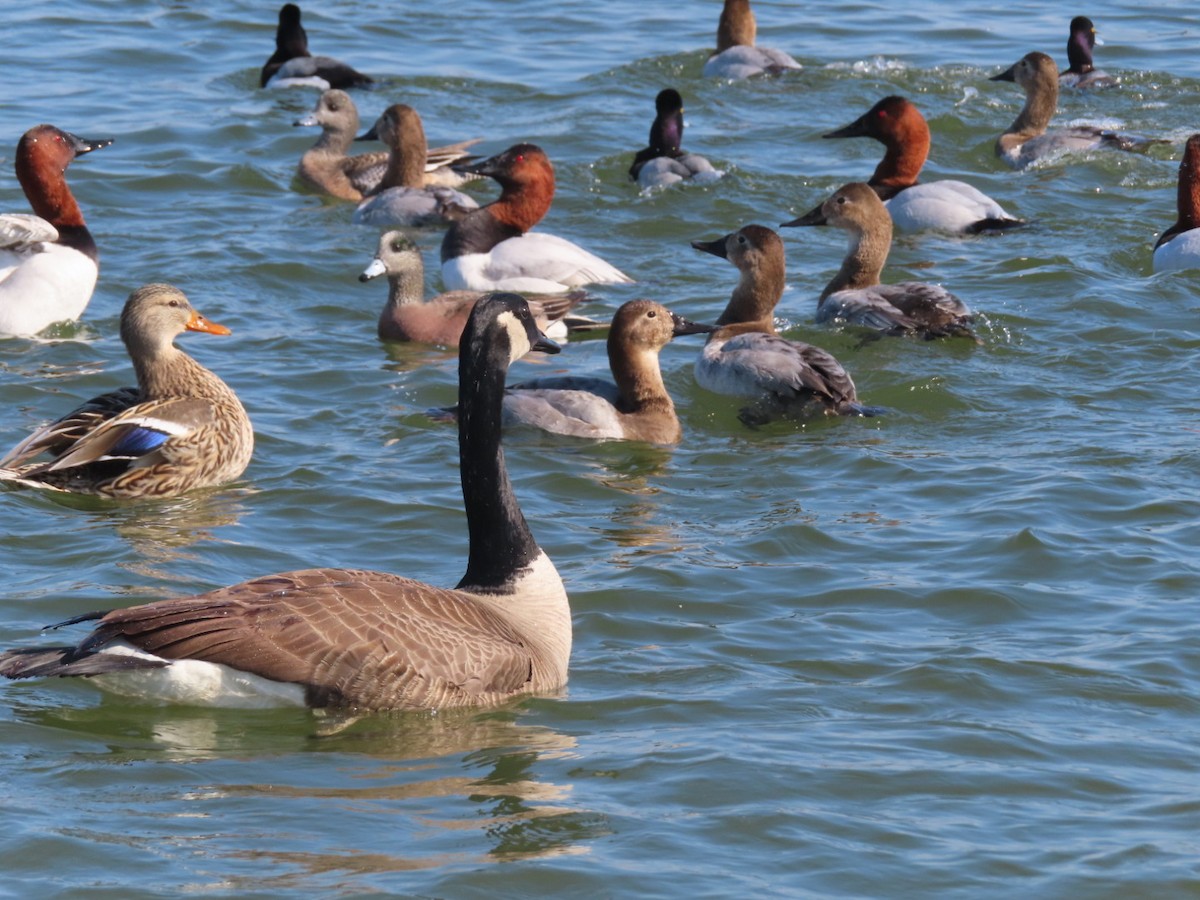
point(350, 638)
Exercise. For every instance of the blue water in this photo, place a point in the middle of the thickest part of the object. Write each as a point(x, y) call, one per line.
point(949, 651)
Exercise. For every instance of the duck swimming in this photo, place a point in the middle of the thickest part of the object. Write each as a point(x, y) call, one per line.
point(48, 261)
point(181, 428)
point(408, 316)
point(349, 638)
point(1080, 72)
point(291, 65)
point(745, 357)
point(634, 406)
point(327, 166)
point(855, 296)
point(1027, 140)
point(402, 197)
point(1179, 245)
point(945, 205)
point(664, 162)
point(736, 56)
point(492, 248)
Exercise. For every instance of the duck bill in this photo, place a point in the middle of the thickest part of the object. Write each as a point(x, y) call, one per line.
point(1009, 74)
point(857, 128)
point(485, 167)
point(307, 121)
point(374, 270)
point(716, 248)
point(371, 134)
point(198, 323)
point(683, 326)
point(812, 217)
point(86, 145)
point(545, 345)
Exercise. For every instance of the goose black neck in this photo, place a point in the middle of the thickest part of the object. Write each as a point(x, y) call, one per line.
point(501, 543)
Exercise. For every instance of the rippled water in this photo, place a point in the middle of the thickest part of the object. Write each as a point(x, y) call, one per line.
point(951, 650)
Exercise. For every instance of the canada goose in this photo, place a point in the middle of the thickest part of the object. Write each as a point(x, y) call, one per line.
point(636, 407)
point(744, 357)
point(349, 638)
point(855, 295)
point(181, 428)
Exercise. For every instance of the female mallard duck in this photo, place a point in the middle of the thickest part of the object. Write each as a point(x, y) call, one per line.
point(180, 428)
point(351, 638)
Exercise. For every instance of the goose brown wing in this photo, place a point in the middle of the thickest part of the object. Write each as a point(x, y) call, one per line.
point(351, 638)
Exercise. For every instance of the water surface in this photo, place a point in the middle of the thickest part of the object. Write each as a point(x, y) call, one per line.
point(951, 650)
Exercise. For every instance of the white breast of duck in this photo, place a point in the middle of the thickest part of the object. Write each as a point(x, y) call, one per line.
point(492, 248)
point(42, 283)
point(1179, 246)
point(953, 206)
point(48, 261)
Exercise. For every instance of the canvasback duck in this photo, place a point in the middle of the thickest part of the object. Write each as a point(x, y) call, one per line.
point(736, 56)
point(291, 65)
point(745, 357)
point(664, 162)
point(492, 247)
point(181, 428)
point(408, 316)
point(935, 205)
point(327, 166)
point(855, 296)
point(1027, 141)
point(402, 197)
point(634, 406)
point(1179, 245)
point(360, 639)
point(1080, 72)
point(48, 261)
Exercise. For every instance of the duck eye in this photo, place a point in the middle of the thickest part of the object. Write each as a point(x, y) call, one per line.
point(652, 314)
point(520, 158)
point(741, 239)
point(174, 304)
point(841, 200)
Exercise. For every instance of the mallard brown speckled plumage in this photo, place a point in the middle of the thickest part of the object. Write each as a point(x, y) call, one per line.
point(180, 428)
